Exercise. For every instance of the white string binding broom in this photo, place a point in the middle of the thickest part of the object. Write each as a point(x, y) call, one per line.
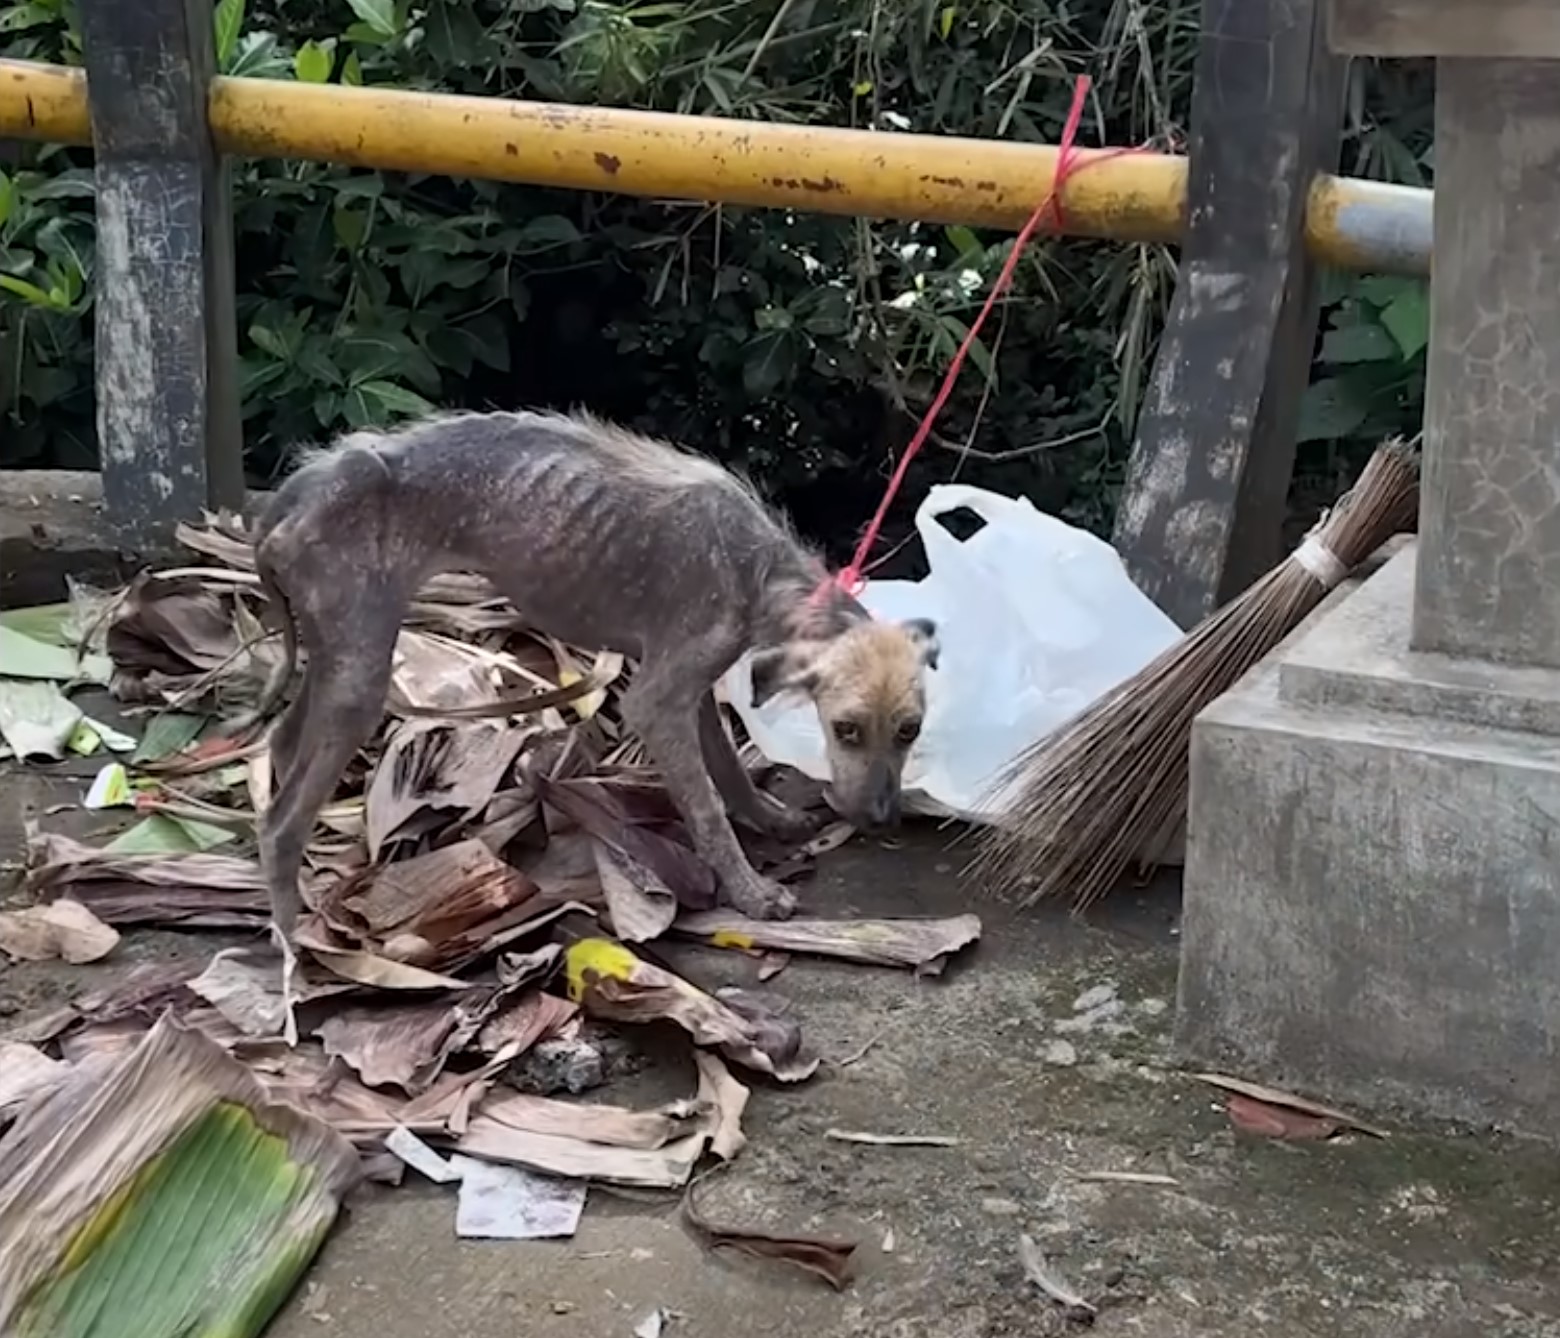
point(1078, 806)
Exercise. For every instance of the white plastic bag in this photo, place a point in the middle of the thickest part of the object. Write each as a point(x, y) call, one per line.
point(1036, 620)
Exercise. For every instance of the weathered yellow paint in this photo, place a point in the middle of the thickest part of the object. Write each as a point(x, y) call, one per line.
point(1138, 197)
point(1354, 224)
point(855, 172)
point(43, 102)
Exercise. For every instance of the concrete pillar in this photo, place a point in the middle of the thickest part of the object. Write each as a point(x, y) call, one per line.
point(1489, 548)
point(1372, 891)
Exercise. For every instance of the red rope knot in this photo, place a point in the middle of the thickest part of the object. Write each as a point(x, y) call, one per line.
point(851, 580)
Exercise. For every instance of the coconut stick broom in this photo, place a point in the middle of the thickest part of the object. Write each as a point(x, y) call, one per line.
point(1076, 807)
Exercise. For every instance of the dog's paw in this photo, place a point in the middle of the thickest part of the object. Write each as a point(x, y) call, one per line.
point(788, 824)
point(762, 899)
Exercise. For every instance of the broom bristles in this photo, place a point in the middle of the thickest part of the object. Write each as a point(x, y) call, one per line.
point(1078, 806)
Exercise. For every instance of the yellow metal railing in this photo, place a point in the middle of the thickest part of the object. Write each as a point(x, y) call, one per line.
point(1138, 197)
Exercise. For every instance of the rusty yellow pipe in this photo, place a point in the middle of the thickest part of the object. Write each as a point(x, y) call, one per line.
point(1138, 197)
point(1354, 224)
point(47, 103)
point(856, 172)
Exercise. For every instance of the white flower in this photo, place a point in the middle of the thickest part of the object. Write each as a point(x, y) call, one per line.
point(905, 301)
point(969, 281)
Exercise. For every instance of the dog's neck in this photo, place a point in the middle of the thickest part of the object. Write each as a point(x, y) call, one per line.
point(802, 601)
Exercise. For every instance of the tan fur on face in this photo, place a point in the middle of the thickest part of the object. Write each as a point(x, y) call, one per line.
point(873, 674)
point(868, 684)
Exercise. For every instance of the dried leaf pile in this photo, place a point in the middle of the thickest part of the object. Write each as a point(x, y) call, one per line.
point(473, 890)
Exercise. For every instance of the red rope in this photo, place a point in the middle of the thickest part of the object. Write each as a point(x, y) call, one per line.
point(1069, 161)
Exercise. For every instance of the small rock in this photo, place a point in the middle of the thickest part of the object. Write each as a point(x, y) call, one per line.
point(1063, 1054)
point(1092, 998)
point(558, 1065)
point(1154, 1007)
point(563, 1307)
point(1094, 1017)
point(999, 1207)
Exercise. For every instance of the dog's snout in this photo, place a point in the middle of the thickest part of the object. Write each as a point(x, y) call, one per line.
point(883, 810)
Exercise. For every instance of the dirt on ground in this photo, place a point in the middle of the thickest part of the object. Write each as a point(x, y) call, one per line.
point(1045, 1052)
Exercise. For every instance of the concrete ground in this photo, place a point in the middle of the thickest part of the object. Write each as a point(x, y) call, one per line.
point(1431, 1234)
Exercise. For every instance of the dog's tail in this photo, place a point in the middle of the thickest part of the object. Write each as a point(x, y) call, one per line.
point(276, 686)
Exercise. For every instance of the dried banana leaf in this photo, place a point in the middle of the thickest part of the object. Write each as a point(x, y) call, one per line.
point(924, 945)
point(160, 1193)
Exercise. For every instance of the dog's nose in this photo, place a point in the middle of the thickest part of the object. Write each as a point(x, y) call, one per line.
point(884, 811)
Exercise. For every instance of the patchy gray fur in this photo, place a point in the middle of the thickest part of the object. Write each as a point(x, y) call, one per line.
point(600, 537)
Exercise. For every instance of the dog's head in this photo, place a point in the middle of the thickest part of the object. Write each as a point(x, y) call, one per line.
point(868, 683)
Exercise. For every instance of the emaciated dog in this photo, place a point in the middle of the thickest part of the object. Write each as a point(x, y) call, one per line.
point(602, 538)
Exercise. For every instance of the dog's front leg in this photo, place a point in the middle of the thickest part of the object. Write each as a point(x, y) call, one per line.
point(759, 810)
point(665, 715)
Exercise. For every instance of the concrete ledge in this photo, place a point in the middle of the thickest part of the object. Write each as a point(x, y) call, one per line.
point(52, 525)
point(1372, 902)
point(1360, 660)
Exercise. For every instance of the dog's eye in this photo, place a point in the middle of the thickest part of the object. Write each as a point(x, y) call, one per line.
point(908, 732)
point(847, 732)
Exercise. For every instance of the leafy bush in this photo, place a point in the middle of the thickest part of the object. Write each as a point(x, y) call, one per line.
point(802, 348)
point(1372, 360)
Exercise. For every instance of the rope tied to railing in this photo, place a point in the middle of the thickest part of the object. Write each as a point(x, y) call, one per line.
point(1070, 160)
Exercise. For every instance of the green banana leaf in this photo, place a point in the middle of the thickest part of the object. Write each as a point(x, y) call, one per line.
point(160, 1193)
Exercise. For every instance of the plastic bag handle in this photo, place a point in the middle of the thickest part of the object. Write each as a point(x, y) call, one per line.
point(945, 551)
point(945, 497)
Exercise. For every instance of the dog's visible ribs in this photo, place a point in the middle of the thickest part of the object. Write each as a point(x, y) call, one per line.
point(688, 569)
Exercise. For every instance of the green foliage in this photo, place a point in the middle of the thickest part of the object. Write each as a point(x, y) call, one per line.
point(802, 348)
point(46, 253)
point(1372, 359)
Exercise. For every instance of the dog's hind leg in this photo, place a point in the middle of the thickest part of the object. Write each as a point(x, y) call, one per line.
point(743, 798)
point(341, 702)
point(285, 742)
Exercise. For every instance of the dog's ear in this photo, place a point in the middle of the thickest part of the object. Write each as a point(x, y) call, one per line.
point(923, 631)
point(777, 670)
